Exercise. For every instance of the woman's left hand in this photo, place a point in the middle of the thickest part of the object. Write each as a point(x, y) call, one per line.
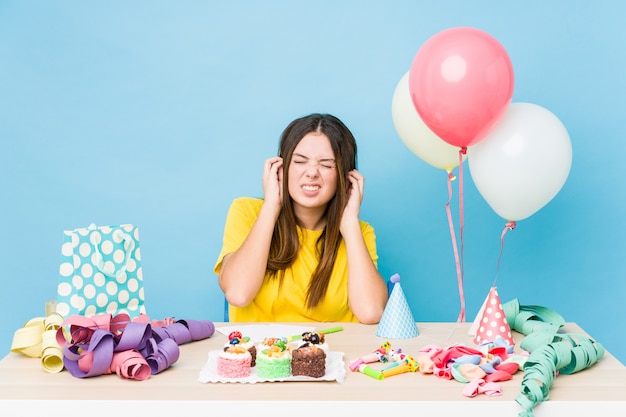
point(355, 195)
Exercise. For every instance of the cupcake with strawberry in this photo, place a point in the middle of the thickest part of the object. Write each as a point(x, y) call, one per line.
point(237, 339)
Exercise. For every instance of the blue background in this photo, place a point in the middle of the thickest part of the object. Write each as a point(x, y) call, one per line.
point(159, 113)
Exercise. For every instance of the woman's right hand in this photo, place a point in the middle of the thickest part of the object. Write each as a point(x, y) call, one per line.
point(273, 182)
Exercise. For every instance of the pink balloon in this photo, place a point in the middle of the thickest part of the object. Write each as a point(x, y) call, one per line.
point(461, 83)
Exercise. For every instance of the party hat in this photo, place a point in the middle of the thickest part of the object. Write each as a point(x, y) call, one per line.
point(397, 321)
point(492, 322)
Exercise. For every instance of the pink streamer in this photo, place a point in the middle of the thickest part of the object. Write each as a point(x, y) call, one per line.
point(458, 258)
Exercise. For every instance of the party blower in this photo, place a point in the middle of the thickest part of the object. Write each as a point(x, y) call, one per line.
point(409, 364)
point(379, 355)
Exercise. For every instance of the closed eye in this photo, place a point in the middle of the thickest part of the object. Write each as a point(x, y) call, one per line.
point(327, 163)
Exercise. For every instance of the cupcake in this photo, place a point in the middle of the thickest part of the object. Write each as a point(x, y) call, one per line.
point(273, 359)
point(236, 339)
point(234, 362)
point(308, 360)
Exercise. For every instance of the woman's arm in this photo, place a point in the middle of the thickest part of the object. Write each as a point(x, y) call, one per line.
point(367, 291)
point(242, 272)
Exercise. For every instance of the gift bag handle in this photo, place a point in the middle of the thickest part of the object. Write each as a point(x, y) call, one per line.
point(100, 260)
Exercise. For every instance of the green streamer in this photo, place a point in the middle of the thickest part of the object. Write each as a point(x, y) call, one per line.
point(551, 353)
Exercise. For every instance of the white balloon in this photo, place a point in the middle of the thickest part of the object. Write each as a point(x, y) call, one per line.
point(523, 162)
point(416, 135)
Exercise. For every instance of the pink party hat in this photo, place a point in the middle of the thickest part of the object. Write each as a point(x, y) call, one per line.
point(397, 321)
point(492, 322)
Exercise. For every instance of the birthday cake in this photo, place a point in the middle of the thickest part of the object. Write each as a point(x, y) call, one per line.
point(234, 362)
point(236, 339)
point(273, 359)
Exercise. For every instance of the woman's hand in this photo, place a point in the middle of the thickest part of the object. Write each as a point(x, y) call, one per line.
point(273, 182)
point(355, 196)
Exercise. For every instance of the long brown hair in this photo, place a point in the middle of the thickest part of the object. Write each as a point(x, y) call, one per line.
point(285, 243)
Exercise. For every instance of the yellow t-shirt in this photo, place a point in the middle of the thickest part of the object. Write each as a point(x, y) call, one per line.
point(286, 303)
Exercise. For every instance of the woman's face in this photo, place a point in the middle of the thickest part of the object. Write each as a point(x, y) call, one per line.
point(312, 172)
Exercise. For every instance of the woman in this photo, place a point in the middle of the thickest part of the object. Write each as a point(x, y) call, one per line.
point(301, 253)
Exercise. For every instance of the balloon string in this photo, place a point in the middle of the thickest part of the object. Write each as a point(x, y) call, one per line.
point(451, 178)
point(507, 227)
point(462, 152)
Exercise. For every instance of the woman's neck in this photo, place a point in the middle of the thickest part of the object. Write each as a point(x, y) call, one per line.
point(311, 218)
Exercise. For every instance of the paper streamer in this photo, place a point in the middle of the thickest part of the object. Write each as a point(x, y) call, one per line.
point(551, 353)
point(37, 339)
point(105, 344)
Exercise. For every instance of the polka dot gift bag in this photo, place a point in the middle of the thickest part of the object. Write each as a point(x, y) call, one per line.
point(100, 272)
